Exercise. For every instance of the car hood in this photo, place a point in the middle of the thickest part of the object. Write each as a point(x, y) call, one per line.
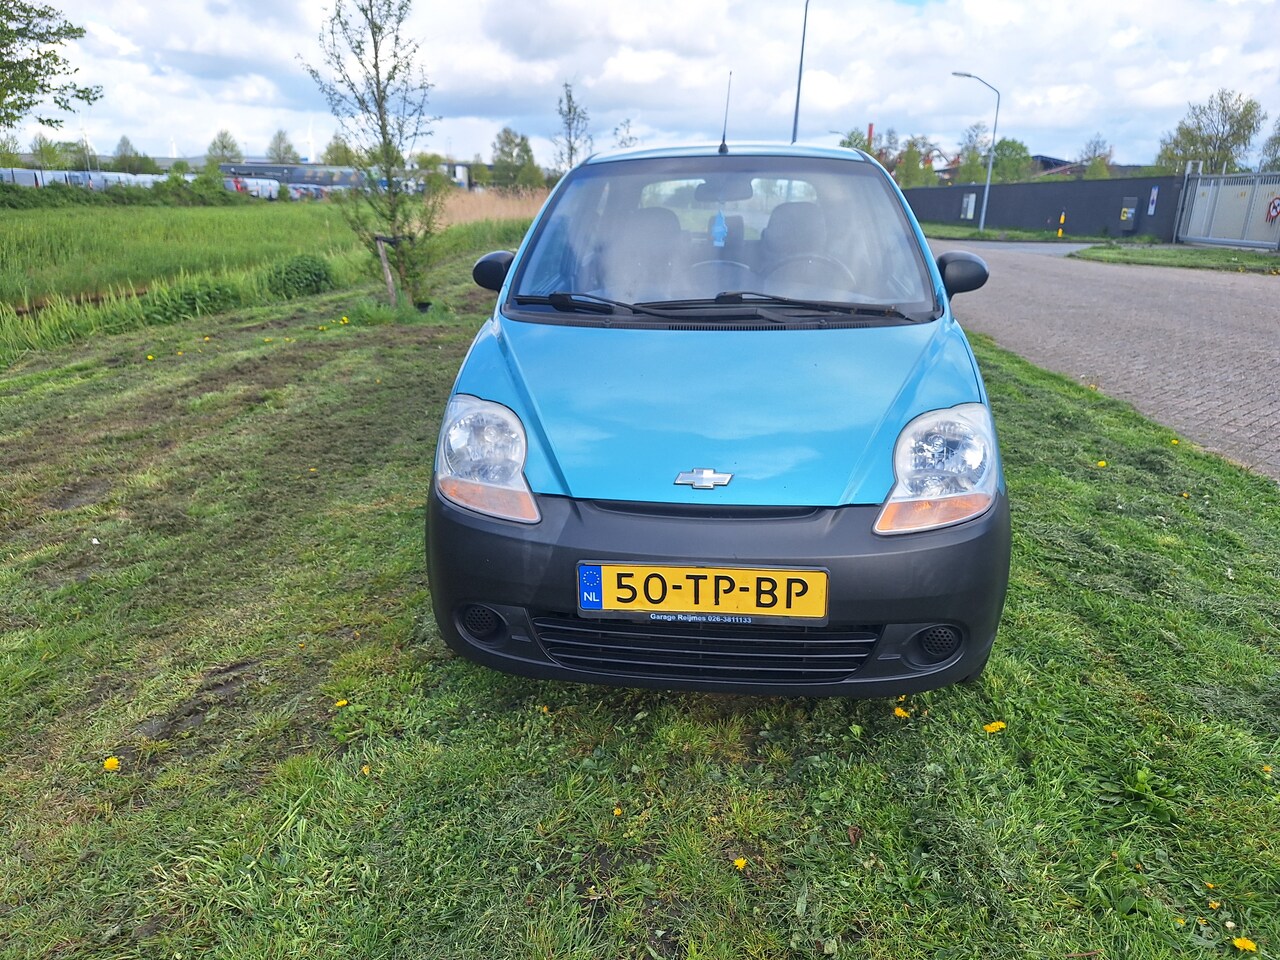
point(798, 417)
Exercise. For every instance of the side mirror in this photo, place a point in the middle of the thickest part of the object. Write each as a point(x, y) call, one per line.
point(490, 270)
point(961, 271)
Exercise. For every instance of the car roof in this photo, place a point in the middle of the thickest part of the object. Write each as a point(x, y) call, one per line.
point(733, 149)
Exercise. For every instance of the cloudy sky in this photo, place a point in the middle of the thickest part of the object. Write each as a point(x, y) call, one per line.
point(174, 74)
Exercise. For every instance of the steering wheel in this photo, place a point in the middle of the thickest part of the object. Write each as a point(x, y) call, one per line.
point(806, 265)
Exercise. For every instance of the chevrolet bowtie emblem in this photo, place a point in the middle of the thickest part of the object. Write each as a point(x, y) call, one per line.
point(704, 479)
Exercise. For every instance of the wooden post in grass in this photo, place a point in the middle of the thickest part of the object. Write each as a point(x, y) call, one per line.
point(383, 243)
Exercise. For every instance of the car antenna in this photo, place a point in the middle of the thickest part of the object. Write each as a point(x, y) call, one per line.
point(724, 147)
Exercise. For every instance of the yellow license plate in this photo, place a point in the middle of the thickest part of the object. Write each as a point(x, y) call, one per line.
point(702, 594)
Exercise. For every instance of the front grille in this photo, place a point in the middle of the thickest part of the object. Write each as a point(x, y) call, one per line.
point(731, 653)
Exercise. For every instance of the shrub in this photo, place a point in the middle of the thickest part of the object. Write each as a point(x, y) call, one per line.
point(300, 276)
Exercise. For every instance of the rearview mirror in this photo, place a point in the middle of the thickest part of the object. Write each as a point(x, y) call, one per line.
point(490, 270)
point(723, 188)
point(962, 271)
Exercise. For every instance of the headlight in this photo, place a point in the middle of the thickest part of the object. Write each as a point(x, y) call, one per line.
point(480, 460)
point(946, 470)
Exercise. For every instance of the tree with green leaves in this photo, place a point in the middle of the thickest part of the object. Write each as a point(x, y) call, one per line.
point(33, 71)
point(883, 146)
point(478, 171)
point(512, 156)
point(912, 168)
point(573, 142)
point(371, 78)
point(223, 149)
point(281, 150)
point(1218, 132)
point(1012, 162)
point(338, 153)
point(129, 160)
point(1270, 162)
point(9, 151)
point(46, 153)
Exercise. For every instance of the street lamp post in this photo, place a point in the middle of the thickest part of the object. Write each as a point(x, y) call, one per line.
point(804, 30)
point(991, 154)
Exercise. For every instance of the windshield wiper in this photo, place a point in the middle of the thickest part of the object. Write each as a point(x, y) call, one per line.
point(755, 298)
point(567, 302)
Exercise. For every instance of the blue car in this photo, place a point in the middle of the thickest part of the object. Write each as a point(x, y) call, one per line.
point(722, 433)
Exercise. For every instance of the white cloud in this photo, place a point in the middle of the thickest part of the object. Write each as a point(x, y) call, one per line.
point(1065, 71)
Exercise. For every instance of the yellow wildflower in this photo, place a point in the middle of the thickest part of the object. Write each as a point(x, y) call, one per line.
point(900, 713)
point(179, 353)
point(1214, 904)
point(995, 726)
point(617, 811)
point(1245, 944)
point(266, 339)
point(150, 357)
point(111, 763)
point(206, 339)
point(1174, 441)
point(1210, 885)
point(365, 769)
point(340, 703)
point(1102, 463)
point(1180, 921)
point(740, 863)
point(1266, 768)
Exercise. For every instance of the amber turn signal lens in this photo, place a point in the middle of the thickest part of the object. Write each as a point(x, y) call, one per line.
point(905, 516)
point(495, 501)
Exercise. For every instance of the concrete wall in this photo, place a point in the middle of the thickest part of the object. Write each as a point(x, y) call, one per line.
point(1092, 207)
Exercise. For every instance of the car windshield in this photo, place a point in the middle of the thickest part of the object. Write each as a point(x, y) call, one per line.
point(688, 229)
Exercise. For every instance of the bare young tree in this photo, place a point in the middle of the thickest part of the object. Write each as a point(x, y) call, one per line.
point(623, 137)
point(377, 90)
point(574, 140)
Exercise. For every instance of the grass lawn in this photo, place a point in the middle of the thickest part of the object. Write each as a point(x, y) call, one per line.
point(958, 231)
point(228, 726)
point(87, 251)
point(1180, 255)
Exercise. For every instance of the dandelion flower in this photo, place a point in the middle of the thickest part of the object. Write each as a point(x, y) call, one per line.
point(617, 811)
point(900, 713)
point(1102, 463)
point(1266, 768)
point(206, 339)
point(995, 726)
point(1180, 921)
point(111, 763)
point(546, 709)
point(179, 353)
point(1210, 885)
point(1214, 904)
point(1174, 441)
point(150, 357)
point(1245, 944)
point(365, 769)
point(740, 863)
point(340, 703)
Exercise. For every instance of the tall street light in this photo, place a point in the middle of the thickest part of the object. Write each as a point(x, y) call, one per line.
point(991, 154)
point(804, 30)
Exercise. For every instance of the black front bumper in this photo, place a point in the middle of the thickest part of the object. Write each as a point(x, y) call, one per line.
point(906, 613)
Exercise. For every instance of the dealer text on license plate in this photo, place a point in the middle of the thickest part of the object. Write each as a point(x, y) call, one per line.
point(704, 593)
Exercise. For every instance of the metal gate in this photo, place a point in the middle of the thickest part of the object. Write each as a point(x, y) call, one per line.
point(1234, 210)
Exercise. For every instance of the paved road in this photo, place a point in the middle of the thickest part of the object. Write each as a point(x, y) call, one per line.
point(1196, 350)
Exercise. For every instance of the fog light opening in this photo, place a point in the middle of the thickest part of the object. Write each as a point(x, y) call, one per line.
point(937, 643)
point(481, 624)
